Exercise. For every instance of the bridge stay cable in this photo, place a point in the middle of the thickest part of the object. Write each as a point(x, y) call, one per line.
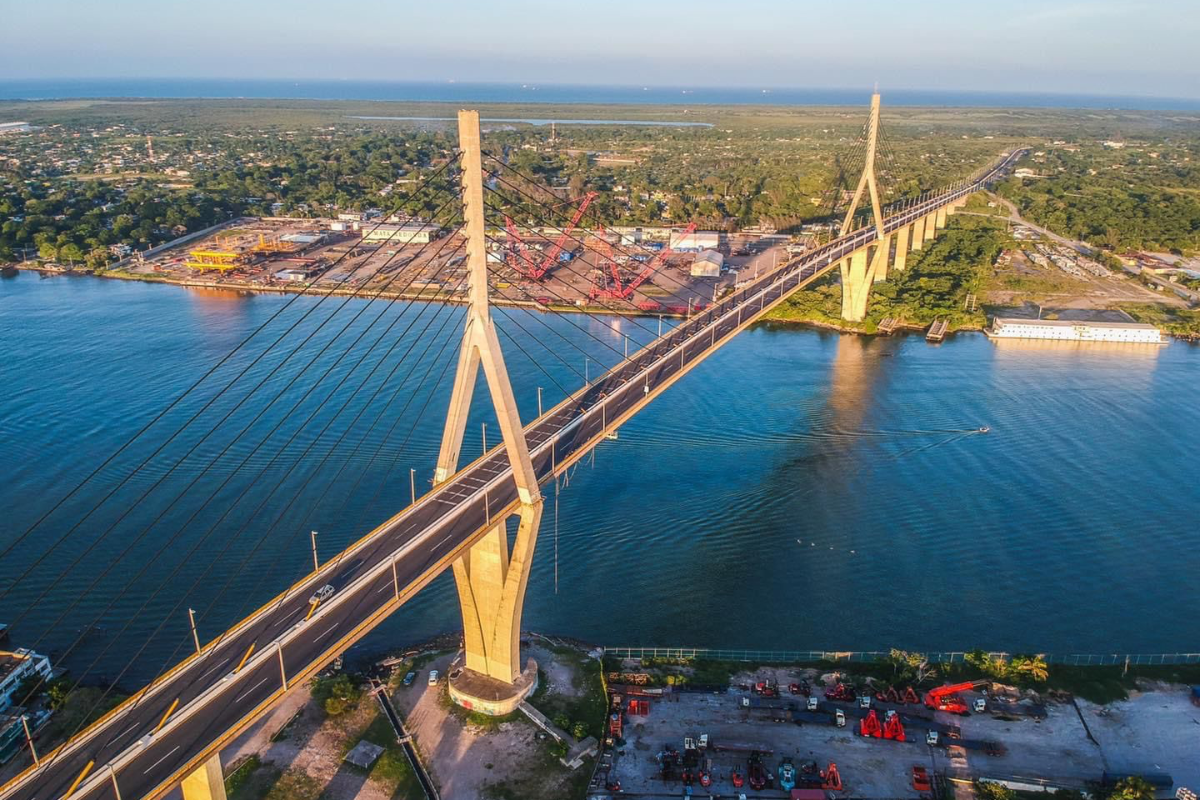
point(166, 547)
point(700, 320)
point(248, 597)
point(250, 518)
point(8, 548)
point(570, 237)
point(162, 446)
point(80, 556)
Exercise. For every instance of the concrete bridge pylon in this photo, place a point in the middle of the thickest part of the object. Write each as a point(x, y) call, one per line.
point(491, 579)
point(869, 264)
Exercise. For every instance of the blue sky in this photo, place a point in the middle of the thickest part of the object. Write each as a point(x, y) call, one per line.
point(1138, 47)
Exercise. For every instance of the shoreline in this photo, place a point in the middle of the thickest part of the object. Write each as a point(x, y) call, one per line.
point(819, 324)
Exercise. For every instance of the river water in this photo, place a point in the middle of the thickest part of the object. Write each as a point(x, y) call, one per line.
point(800, 489)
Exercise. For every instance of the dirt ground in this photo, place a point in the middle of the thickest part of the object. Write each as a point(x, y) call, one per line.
point(297, 739)
point(1150, 732)
point(474, 758)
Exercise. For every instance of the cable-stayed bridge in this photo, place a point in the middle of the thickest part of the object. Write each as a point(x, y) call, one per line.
point(171, 731)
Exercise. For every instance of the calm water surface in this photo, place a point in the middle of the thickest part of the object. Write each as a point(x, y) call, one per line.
point(797, 490)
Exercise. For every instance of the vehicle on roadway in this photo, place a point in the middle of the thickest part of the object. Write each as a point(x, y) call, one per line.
point(322, 594)
point(409, 678)
point(433, 677)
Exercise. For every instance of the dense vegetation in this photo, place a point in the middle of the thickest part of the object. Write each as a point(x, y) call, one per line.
point(1133, 197)
point(935, 283)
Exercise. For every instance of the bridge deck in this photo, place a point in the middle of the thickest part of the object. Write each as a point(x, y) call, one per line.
point(387, 566)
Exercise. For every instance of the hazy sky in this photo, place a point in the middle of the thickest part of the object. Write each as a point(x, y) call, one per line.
point(1141, 47)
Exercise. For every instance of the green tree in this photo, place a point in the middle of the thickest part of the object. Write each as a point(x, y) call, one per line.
point(1033, 668)
point(1133, 788)
point(71, 253)
point(986, 790)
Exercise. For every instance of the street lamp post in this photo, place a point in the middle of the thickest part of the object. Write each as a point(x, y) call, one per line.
point(192, 620)
point(316, 563)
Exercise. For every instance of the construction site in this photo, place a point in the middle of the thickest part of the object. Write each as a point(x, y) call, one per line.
point(802, 734)
point(662, 270)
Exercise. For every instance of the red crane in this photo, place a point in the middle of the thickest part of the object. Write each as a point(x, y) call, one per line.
point(518, 259)
point(945, 698)
point(539, 272)
point(654, 264)
point(599, 245)
point(624, 291)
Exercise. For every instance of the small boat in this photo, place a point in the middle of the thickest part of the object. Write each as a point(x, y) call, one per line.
point(984, 429)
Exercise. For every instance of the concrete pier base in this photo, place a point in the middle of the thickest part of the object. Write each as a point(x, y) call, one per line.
point(477, 692)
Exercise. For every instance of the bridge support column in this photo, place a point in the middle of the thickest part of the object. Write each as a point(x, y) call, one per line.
point(207, 782)
point(930, 227)
point(902, 238)
point(940, 218)
point(858, 273)
point(881, 258)
point(918, 233)
point(491, 579)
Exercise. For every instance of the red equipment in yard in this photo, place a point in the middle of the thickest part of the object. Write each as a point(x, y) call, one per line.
point(841, 692)
point(945, 698)
point(893, 728)
point(523, 264)
point(920, 779)
point(870, 725)
point(910, 697)
point(639, 707)
point(624, 291)
point(767, 688)
point(756, 772)
point(517, 258)
point(831, 779)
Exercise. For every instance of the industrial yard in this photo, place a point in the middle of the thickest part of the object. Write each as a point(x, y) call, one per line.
point(802, 732)
point(629, 270)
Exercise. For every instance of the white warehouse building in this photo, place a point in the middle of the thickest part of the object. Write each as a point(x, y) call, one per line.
point(1074, 330)
point(695, 241)
point(405, 233)
point(708, 265)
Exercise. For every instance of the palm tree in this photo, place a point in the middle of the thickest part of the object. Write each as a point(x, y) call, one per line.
point(1032, 667)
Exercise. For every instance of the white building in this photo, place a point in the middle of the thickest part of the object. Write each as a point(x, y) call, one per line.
point(15, 667)
point(708, 264)
point(1074, 330)
point(695, 241)
point(406, 233)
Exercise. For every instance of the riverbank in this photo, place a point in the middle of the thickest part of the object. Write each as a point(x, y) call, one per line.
point(1055, 725)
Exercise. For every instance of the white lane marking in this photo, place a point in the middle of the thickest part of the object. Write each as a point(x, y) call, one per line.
point(331, 628)
point(384, 588)
point(212, 668)
point(124, 733)
point(251, 689)
point(164, 758)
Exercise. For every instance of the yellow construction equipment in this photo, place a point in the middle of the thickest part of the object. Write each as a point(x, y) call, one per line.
point(214, 259)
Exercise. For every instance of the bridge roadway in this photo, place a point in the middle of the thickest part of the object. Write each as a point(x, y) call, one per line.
point(135, 752)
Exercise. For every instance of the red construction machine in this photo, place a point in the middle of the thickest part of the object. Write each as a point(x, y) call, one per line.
point(518, 256)
point(618, 289)
point(945, 698)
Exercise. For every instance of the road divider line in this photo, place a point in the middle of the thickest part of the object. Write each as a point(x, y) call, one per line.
point(164, 758)
point(251, 689)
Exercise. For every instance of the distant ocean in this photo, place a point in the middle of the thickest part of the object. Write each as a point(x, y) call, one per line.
point(61, 88)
